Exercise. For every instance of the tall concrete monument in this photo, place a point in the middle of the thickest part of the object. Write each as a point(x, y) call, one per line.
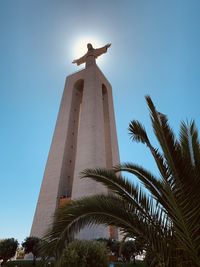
point(84, 137)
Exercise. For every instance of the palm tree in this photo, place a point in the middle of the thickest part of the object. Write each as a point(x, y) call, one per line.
point(163, 210)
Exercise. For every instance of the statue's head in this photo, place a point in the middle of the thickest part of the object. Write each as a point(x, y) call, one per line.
point(90, 47)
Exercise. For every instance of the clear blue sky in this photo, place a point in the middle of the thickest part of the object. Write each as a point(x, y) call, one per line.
point(155, 51)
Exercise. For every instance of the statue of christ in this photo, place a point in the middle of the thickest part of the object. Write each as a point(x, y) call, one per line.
point(91, 54)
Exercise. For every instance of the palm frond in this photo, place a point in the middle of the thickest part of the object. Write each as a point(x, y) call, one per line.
point(195, 147)
point(166, 138)
point(117, 184)
point(138, 132)
point(100, 209)
point(151, 183)
point(89, 211)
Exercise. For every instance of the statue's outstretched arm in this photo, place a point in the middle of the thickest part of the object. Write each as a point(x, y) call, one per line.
point(80, 60)
point(99, 51)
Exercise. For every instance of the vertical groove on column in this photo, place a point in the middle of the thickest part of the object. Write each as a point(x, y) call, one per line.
point(68, 164)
